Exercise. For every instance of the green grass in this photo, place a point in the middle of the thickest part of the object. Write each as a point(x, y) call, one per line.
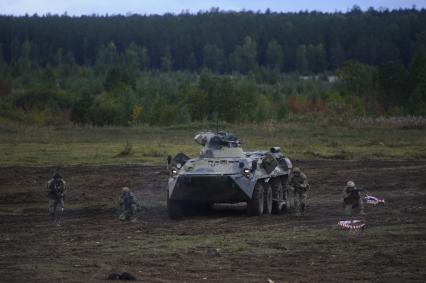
point(151, 145)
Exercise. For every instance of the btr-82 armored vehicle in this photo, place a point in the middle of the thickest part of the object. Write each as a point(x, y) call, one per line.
point(224, 173)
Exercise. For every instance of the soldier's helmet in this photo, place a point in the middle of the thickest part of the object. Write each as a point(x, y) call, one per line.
point(126, 190)
point(296, 170)
point(350, 184)
point(57, 176)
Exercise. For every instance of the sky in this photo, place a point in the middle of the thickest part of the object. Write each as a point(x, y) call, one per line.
point(111, 7)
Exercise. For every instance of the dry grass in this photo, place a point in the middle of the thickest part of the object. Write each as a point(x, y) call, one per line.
point(151, 145)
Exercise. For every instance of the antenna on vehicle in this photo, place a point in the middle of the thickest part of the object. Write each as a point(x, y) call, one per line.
point(217, 125)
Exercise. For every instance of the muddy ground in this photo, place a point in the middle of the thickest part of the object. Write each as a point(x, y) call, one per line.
point(223, 246)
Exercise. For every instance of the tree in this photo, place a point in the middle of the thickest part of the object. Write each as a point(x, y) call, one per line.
point(372, 37)
point(195, 101)
point(131, 56)
point(2, 62)
point(357, 79)
point(15, 46)
point(274, 55)
point(301, 59)
point(191, 63)
point(116, 78)
point(107, 56)
point(315, 55)
point(244, 58)
point(24, 60)
point(393, 80)
point(166, 60)
point(337, 56)
point(213, 58)
point(136, 57)
point(80, 111)
point(417, 100)
point(58, 58)
point(418, 68)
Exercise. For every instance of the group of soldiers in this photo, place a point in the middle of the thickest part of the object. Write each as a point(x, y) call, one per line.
point(296, 197)
point(56, 189)
point(297, 194)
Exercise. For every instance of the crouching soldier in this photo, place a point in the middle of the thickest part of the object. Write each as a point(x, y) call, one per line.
point(297, 191)
point(352, 199)
point(128, 205)
point(56, 189)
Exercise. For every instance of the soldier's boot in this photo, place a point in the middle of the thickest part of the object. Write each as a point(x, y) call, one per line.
point(59, 217)
point(122, 217)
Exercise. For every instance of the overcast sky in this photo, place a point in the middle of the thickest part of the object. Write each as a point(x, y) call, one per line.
point(87, 7)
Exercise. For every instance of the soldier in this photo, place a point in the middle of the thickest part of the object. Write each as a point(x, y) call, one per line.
point(297, 191)
point(352, 199)
point(56, 188)
point(128, 205)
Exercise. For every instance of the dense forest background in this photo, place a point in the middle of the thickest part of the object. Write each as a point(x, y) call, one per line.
point(231, 66)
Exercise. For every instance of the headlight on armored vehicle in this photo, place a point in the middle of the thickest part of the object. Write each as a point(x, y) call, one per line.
point(174, 172)
point(246, 172)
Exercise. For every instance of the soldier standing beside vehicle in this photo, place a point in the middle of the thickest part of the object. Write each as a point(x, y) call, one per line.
point(128, 205)
point(56, 188)
point(297, 191)
point(352, 199)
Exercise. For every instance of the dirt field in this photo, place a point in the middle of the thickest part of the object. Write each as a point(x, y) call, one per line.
point(224, 246)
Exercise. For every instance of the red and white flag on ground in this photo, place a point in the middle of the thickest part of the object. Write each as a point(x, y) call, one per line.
point(374, 200)
point(352, 224)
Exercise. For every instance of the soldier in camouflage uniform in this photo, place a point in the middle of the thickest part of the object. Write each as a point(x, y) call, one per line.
point(352, 199)
point(128, 205)
point(297, 191)
point(55, 189)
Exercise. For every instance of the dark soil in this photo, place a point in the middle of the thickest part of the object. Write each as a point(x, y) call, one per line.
point(223, 246)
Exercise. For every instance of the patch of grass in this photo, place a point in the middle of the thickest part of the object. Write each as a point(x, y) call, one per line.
point(7, 210)
point(151, 145)
point(126, 151)
point(157, 151)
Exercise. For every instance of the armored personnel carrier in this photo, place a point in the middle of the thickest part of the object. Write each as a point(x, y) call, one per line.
point(224, 173)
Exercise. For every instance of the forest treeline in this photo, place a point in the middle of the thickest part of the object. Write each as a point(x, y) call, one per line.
point(220, 41)
point(232, 66)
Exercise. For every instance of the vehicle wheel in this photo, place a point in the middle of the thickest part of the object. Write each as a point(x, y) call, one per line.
point(175, 208)
point(277, 196)
point(267, 205)
point(255, 204)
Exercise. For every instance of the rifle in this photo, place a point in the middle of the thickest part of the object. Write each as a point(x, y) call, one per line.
point(56, 191)
point(354, 195)
point(299, 187)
